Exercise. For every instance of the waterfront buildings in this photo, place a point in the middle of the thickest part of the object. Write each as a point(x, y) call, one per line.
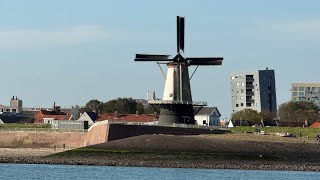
point(255, 90)
point(306, 92)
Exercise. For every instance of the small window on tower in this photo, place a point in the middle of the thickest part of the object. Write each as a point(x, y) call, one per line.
point(170, 95)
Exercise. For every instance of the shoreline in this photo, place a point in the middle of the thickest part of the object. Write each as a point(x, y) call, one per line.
point(220, 164)
point(167, 151)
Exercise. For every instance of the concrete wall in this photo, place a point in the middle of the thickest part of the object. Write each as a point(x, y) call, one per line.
point(100, 132)
point(42, 139)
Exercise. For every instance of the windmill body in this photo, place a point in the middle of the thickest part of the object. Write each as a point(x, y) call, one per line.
point(177, 106)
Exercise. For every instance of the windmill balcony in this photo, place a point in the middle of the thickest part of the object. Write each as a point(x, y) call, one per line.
point(177, 102)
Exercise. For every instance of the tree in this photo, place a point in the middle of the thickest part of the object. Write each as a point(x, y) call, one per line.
point(298, 111)
point(149, 110)
point(247, 114)
point(92, 105)
point(123, 106)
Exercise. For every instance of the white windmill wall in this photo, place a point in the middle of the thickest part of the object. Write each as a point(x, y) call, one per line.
point(168, 93)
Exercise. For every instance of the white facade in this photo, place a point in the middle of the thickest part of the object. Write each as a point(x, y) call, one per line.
point(168, 94)
point(208, 116)
point(86, 117)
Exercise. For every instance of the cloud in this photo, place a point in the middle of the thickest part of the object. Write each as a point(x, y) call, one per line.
point(33, 38)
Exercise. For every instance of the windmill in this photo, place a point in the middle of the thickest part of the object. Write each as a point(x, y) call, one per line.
point(177, 105)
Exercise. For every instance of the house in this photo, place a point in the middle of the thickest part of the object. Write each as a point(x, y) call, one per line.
point(88, 116)
point(208, 116)
point(45, 116)
point(315, 125)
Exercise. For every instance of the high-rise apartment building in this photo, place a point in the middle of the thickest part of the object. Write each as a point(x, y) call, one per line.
point(306, 92)
point(255, 90)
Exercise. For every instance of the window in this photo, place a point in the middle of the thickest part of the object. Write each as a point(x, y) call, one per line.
point(238, 84)
point(241, 97)
point(232, 77)
point(248, 104)
point(242, 84)
point(241, 104)
point(237, 76)
point(301, 88)
point(314, 89)
point(294, 88)
point(294, 93)
point(257, 104)
point(301, 94)
point(242, 90)
point(237, 105)
point(204, 122)
point(294, 99)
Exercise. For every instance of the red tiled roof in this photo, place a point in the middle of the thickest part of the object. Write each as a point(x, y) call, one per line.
point(315, 125)
point(50, 114)
point(126, 117)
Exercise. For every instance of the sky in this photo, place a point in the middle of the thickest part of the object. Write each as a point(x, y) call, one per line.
point(73, 51)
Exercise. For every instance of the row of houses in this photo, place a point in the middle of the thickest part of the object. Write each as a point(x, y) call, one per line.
point(207, 116)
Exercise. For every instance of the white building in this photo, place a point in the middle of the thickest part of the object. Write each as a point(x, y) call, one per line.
point(208, 116)
point(88, 116)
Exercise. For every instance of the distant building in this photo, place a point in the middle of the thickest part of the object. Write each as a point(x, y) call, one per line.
point(15, 106)
point(45, 115)
point(208, 116)
point(255, 90)
point(151, 95)
point(306, 92)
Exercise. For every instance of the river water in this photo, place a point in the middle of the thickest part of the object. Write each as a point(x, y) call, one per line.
point(43, 171)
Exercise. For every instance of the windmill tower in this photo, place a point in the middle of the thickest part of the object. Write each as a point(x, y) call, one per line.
point(177, 105)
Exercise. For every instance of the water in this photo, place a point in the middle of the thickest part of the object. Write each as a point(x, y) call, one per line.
point(30, 171)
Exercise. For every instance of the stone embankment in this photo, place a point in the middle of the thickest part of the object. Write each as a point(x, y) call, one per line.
point(186, 152)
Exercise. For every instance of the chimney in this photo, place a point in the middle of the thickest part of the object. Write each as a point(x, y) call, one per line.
point(116, 114)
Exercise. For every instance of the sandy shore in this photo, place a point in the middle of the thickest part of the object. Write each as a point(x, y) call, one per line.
point(213, 152)
point(28, 152)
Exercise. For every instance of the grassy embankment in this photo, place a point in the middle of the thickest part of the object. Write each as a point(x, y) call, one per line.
point(20, 125)
point(297, 131)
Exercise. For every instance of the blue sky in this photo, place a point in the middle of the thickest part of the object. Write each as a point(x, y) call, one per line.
point(73, 51)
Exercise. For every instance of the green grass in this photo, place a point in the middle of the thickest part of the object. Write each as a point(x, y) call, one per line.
point(305, 132)
point(26, 125)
